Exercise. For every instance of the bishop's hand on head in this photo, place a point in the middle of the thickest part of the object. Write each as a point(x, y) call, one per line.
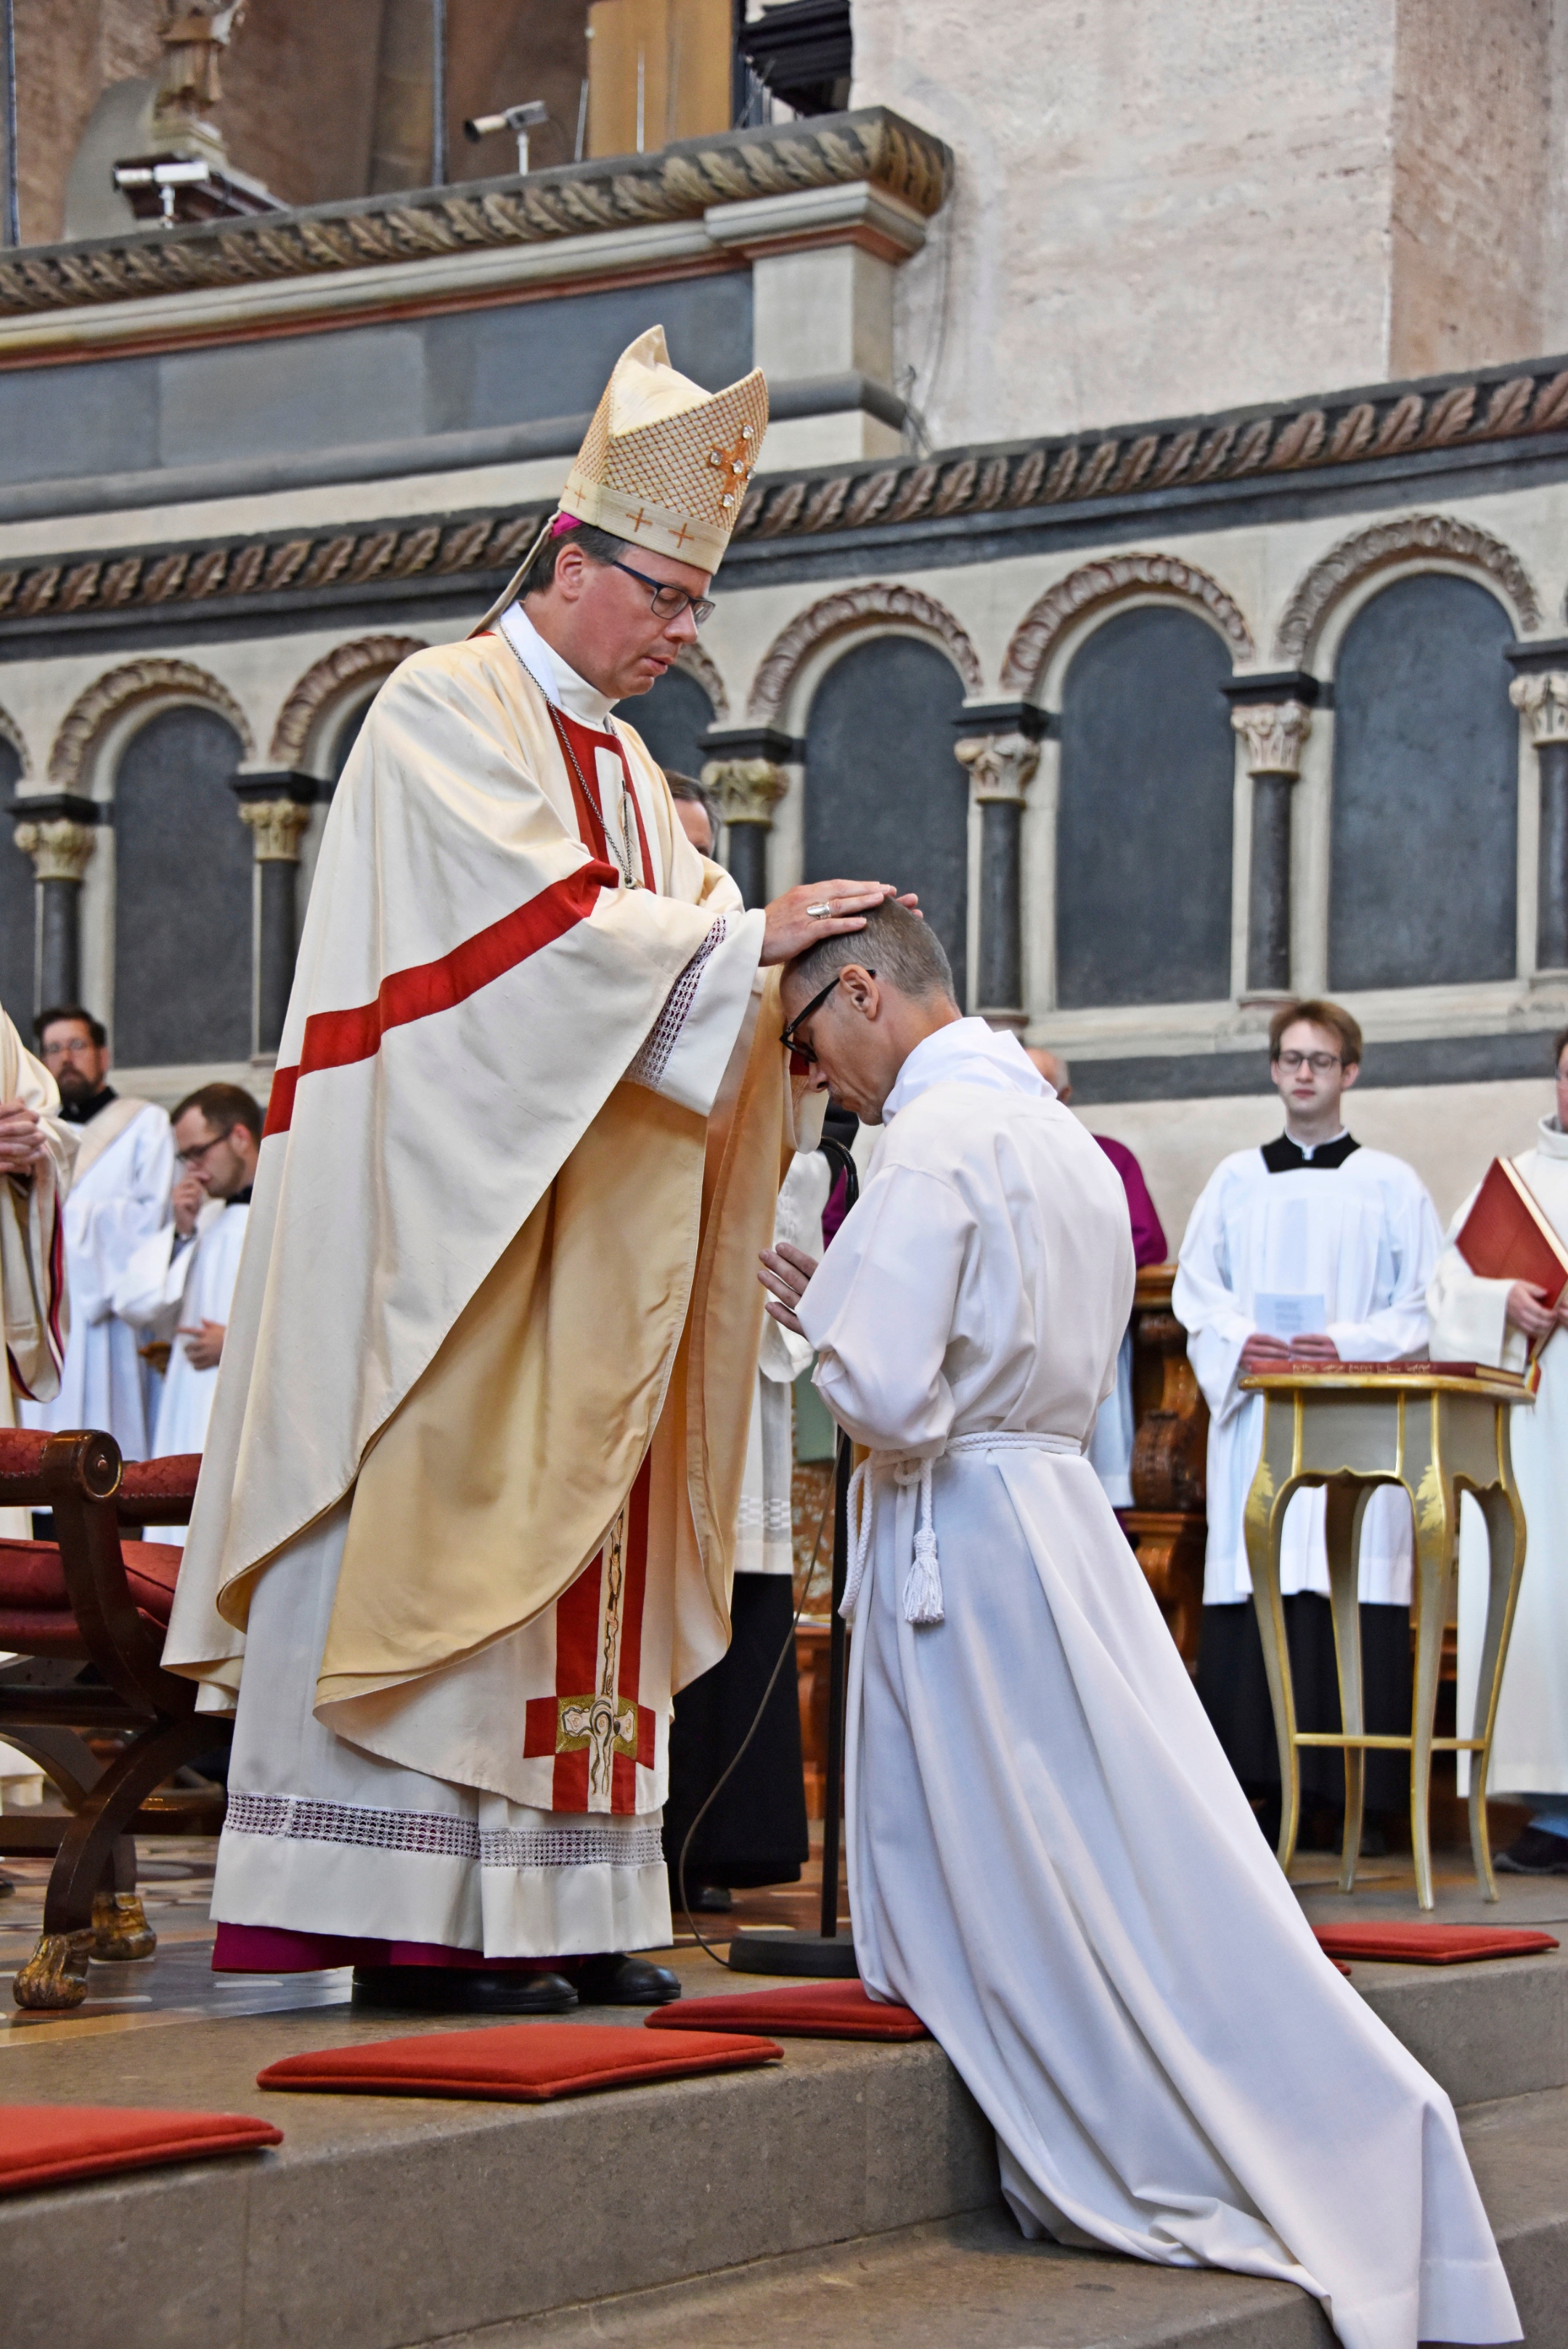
point(785, 1271)
point(822, 909)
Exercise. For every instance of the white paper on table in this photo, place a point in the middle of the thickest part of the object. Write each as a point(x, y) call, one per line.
point(1289, 1313)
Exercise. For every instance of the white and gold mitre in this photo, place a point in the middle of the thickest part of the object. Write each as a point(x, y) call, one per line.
point(665, 464)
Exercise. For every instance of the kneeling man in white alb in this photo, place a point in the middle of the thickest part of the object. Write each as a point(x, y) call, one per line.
point(1050, 1858)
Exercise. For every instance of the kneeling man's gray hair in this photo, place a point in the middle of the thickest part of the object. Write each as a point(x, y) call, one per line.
point(895, 944)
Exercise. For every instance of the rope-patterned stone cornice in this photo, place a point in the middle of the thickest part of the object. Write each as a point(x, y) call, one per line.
point(576, 199)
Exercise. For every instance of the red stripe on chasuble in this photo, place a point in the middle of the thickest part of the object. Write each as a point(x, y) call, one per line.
point(584, 741)
point(593, 1726)
point(333, 1039)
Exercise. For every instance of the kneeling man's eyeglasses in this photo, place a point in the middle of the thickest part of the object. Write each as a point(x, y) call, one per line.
point(792, 1039)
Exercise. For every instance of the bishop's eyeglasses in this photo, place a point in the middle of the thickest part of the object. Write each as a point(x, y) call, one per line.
point(667, 603)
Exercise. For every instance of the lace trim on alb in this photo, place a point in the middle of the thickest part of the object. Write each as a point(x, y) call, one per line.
point(433, 1836)
point(653, 1057)
point(769, 1516)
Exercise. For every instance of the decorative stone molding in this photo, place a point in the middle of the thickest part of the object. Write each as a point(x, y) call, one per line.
point(679, 182)
point(11, 732)
point(328, 681)
point(139, 680)
point(276, 825)
point(749, 789)
point(1001, 766)
point(857, 607)
point(696, 663)
point(60, 849)
point(1405, 541)
point(1544, 701)
point(1273, 733)
point(1123, 575)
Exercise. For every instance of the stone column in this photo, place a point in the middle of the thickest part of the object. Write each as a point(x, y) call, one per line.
point(1272, 715)
point(58, 832)
point(1000, 763)
point(747, 772)
point(276, 808)
point(1543, 697)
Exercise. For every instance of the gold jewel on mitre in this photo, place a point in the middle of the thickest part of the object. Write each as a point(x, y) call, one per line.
point(664, 464)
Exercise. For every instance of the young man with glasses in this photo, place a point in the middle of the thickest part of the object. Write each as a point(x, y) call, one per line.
point(468, 1513)
point(180, 1284)
point(1310, 1249)
point(119, 1198)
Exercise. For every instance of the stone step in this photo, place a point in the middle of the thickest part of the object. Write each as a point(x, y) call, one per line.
point(383, 2222)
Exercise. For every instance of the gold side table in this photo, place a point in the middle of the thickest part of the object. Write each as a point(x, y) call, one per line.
point(1437, 1435)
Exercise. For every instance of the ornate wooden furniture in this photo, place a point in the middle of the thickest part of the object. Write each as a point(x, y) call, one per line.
point(1437, 1434)
point(94, 1597)
point(1166, 1524)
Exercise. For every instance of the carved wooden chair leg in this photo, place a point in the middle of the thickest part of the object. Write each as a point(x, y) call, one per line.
point(56, 1976)
point(119, 1926)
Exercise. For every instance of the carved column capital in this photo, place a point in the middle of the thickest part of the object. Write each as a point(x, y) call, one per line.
point(1273, 733)
point(276, 825)
point(1001, 766)
point(59, 847)
point(749, 789)
point(1543, 697)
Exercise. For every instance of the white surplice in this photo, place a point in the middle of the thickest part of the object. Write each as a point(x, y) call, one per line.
point(765, 1543)
point(1050, 1859)
point(1529, 1748)
point(167, 1288)
point(119, 1198)
point(1362, 1238)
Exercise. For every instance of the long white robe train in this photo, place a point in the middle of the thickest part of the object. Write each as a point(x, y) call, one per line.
point(119, 1198)
point(1050, 1859)
point(1360, 1239)
point(1469, 1323)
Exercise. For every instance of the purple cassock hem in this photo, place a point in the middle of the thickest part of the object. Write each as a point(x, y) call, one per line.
point(1148, 1232)
point(269, 1950)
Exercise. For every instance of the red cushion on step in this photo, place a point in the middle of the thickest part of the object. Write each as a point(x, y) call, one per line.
point(1430, 1945)
point(515, 2063)
point(49, 2145)
point(825, 2009)
point(33, 1581)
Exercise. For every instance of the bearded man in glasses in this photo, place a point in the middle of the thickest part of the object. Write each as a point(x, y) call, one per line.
point(1310, 1249)
point(469, 1504)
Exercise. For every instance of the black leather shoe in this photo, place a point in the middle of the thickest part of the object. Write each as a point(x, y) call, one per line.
point(1536, 1852)
point(459, 1989)
point(612, 1980)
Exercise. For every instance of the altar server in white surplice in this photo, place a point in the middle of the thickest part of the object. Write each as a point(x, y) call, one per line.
point(180, 1284)
point(118, 1197)
point(1049, 1859)
point(1312, 1249)
point(1495, 1321)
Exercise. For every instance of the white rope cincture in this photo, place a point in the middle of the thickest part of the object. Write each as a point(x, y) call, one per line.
point(922, 1595)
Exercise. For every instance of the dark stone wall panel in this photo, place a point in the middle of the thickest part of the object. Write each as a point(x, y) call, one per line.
point(1426, 759)
point(182, 895)
point(672, 721)
point(17, 889)
point(886, 799)
point(1146, 815)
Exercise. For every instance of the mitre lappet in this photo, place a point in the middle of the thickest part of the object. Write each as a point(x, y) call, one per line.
point(663, 465)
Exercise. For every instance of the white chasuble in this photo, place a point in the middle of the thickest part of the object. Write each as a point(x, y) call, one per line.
point(1050, 1858)
point(1469, 1323)
point(118, 1197)
point(467, 1511)
point(1346, 1246)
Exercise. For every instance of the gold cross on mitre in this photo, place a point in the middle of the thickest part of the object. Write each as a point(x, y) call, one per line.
point(736, 461)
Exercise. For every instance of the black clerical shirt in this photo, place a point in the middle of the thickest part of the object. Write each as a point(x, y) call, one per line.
point(78, 1112)
point(1282, 1156)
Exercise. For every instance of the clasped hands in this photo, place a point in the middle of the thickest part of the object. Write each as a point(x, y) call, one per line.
point(1527, 1310)
point(1263, 1352)
point(785, 1273)
point(23, 1142)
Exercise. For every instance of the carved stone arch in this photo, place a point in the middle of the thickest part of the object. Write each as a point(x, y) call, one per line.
point(1120, 577)
point(11, 732)
point(138, 680)
point(1379, 549)
point(699, 665)
point(330, 681)
point(858, 609)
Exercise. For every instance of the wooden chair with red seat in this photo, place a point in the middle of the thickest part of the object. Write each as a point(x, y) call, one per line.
point(95, 1595)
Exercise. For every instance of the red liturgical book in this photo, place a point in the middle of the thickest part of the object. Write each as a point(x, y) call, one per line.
point(1507, 1238)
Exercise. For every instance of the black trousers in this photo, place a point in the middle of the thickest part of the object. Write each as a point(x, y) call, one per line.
point(1234, 1689)
point(755, 1832)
